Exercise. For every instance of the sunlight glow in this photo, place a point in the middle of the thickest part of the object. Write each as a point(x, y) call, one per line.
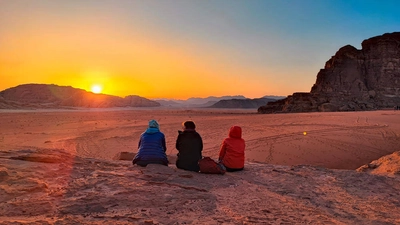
point(96, 88)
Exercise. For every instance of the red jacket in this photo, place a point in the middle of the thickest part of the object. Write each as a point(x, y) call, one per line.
point(232, 149)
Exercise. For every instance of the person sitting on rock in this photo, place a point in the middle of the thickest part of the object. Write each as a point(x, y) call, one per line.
point(231, 153)
point(152, 146)
point(189, 145)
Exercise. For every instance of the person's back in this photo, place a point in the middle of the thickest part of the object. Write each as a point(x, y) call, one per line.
point(152, 147)
point(232, 149)
point(189, 145)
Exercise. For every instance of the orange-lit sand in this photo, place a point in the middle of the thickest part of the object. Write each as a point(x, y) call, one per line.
point(42, 185)
point(344, 140)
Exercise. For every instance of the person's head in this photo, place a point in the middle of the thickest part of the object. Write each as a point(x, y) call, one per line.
point(154, 124)
point(235, 132)
point(189, 125)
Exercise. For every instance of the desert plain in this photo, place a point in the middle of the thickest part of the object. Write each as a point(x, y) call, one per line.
point(59, 167)
point(337, 140)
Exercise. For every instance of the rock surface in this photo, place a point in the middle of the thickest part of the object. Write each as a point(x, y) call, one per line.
point(54, 96)
point(352, 80)
point(386, 165)
point(51, 186)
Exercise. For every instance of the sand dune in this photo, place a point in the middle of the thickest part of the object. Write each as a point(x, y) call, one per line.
point(341, 140)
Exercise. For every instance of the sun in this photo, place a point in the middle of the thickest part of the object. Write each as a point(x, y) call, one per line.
point(96, 88)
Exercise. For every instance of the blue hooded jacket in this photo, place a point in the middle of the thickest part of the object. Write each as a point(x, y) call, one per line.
point(152, 146)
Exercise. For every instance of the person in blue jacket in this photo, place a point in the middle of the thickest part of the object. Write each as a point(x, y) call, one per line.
point(152, 147)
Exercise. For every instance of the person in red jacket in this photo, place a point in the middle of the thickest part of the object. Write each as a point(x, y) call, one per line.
point(231, 154)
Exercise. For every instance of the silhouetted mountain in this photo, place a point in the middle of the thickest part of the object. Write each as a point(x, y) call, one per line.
point(168, 103)
point(196, 102)
point(242, 103)
point(276, 97)
point(54, 96)
point(212, 98)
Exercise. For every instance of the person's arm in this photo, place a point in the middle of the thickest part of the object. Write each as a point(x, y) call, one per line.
point(201, 143)
point(222, 151)
point(178, 140)
point(164, 145)
point(136, 158)
point(201, 146)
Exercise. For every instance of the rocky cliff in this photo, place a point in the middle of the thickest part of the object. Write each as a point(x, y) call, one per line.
point(352, 80)
point(54, 96)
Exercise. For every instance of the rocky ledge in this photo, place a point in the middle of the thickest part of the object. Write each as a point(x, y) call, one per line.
point(50, 186)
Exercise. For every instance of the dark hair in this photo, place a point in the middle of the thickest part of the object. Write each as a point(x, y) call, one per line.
point(189, 125)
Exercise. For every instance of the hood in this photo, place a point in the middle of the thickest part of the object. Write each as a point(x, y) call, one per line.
point(154, 124)
point(152, 130)
point(235, 132)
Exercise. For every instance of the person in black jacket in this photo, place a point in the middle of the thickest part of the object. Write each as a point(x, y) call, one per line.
point(189, 145)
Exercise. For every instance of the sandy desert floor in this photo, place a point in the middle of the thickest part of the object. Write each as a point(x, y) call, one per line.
point(340, 140)
point(57, 167)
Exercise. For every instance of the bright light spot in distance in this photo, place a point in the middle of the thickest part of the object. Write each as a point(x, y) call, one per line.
point(96, 88)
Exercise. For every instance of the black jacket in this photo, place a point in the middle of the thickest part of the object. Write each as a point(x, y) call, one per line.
point(189, 145)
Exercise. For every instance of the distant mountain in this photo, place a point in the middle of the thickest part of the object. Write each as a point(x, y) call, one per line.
point(168, 103)
point(212, 98)
point(276, 97)
point(54, 96)
point(242, 103)
point(196, 102)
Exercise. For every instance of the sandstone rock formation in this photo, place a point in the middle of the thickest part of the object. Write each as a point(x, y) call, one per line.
point(50, 186)
point(54, 96)
point(241, 103)
point(352, 80)
point(386, 165)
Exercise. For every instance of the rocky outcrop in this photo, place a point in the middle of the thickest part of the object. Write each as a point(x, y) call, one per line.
point(241, 103)
point(352, 80)
point(51, 186)
point(54, 96)
point(386, 165)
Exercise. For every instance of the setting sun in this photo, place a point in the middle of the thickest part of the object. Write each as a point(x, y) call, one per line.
point(96, 88)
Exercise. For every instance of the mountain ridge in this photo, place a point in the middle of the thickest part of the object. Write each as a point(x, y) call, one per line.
point(55, 96)
point(242, 103)
point(227, 101)
point(35, 96)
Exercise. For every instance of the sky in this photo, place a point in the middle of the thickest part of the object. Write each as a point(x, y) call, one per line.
point(182, 48)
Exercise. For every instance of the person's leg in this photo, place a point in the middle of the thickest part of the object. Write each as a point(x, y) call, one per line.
point(142, 163)
point(162, 162)
point(233, 169)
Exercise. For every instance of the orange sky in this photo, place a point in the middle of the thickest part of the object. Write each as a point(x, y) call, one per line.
point(171, 49)
point(126, 56)
point(123, 64)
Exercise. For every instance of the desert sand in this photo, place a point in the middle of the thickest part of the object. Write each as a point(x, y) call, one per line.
point(339, 140)
point(57, 167)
